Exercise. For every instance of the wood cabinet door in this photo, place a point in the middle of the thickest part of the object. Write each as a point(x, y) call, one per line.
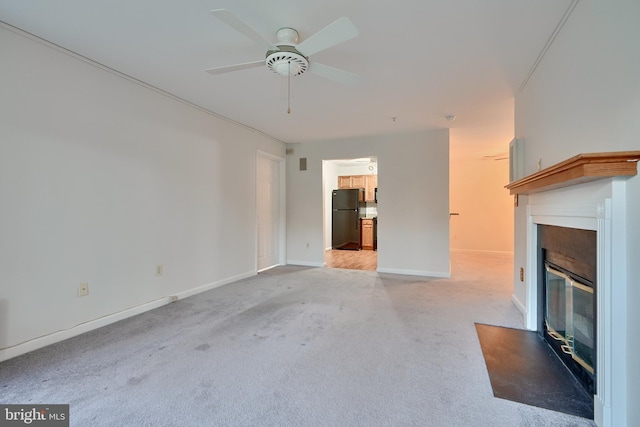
point(370, 187)
point(367, 234)
point(358, 181)
point(344, 182)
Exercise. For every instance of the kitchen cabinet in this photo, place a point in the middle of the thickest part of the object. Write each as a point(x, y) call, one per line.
point(344, 182)
point(358, 181)
point(368, 182)
point(366, 231)
point(351, 181)
point(371, 182)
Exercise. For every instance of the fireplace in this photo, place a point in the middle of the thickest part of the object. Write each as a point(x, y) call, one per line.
point(567, 297)
point(585, 192)
point(596, 207)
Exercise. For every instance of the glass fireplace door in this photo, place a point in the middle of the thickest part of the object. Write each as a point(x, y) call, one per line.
point(555, 317)
point(581, 329)
point(569, 316)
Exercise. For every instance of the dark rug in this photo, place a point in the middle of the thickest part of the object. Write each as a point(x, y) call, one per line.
point(523, 368)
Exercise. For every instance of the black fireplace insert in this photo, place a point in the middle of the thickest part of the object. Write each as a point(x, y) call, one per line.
point(568, 298)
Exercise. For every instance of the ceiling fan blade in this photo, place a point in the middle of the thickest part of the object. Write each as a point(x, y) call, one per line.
point(340, 30)
point(230, 19)
point(499, 156)
point(229, 68)
point(335, 74)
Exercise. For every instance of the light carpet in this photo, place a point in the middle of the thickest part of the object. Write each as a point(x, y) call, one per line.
point(293, 346)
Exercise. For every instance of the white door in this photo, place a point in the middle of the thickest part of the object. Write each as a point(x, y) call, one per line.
point(268, 202)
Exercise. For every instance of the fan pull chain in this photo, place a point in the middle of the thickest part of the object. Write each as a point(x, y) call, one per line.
point(289, 89)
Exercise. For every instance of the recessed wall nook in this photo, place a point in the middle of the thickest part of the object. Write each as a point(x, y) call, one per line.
point(585, 192)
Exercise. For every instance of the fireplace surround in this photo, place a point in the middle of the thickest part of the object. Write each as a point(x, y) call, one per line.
point(587, 192)
point(589, 206)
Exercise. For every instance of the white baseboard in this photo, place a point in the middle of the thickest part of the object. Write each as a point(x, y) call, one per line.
point(479, 251)
point(55, 337)
point(519, 305)
point(204, 288)
point(305, 263)
point(43, 341)
point(438, 274)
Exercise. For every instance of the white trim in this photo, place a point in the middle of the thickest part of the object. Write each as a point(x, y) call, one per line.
point(519, 305)
point(213, 285)
point(120, 74)
point(437, 274)
point(43, 341)
point(282, 208)
point(614, 398)
point(531, 294)
point(602, 401)
point(58, 336)
point(305, 263)
point(582, 216)
point(481, 251)
point(549, 42)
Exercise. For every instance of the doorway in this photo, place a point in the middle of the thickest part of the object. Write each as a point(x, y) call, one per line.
point(269, 211)
point(352, 260)
point(347, 174)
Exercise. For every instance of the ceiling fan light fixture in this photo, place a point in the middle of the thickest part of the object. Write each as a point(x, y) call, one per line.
point(286, 62)
point(287, 36)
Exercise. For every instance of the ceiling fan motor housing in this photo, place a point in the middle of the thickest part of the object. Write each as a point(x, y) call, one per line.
point(286, 61)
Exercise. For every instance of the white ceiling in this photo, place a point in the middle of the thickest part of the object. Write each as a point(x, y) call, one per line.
point(420, 59)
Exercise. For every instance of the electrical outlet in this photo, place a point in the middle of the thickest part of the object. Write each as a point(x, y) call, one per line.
point(83, 289)
point(521, 274)
point(159, 270)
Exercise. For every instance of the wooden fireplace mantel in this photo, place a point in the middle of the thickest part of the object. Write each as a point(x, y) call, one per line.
point(578, 169)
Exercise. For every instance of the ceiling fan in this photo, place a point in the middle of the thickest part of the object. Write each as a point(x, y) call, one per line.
point(289, 58)
point(501, 156)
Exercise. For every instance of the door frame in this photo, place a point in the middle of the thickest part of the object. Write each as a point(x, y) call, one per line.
point(282, 232)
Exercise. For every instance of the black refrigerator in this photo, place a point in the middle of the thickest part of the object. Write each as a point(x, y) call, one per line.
point(345, 229)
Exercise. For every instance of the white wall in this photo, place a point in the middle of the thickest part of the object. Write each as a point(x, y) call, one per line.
point(413, 200)
point(585, 97)
point(103, 179)
point(485, 222)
